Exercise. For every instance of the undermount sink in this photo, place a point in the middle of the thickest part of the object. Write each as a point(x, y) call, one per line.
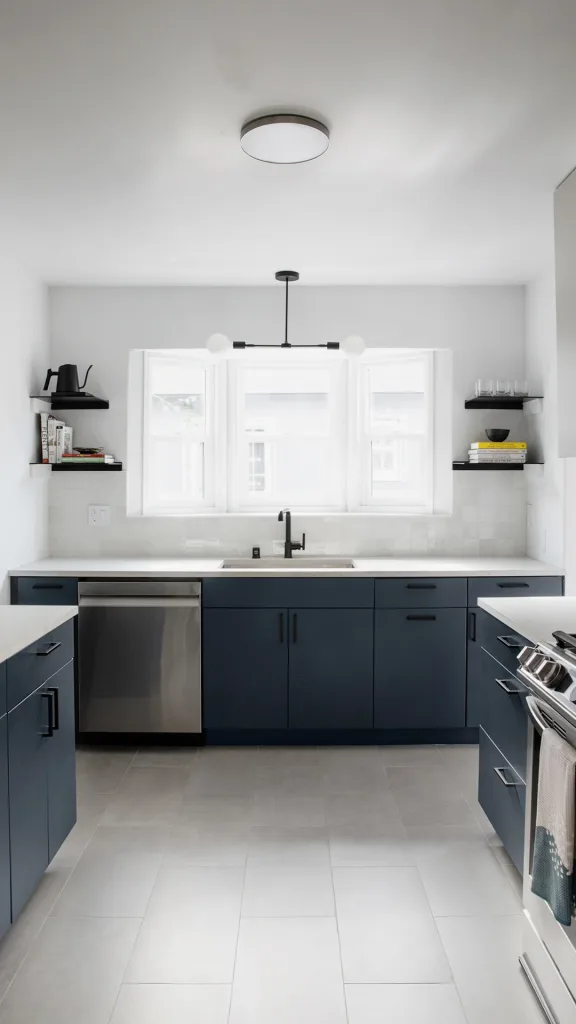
point(297, 562)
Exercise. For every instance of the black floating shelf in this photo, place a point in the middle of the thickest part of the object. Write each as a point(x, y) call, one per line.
point(82, 402)
point(500, 401)
point(99, 467)
point(479, 467)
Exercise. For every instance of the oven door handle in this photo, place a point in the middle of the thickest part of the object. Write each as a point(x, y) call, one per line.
point(538, 721)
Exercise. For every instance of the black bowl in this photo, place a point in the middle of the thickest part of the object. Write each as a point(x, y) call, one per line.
point(497, 435)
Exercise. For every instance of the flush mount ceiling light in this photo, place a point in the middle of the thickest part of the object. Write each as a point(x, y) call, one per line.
point(220, 344)
point(284, 138)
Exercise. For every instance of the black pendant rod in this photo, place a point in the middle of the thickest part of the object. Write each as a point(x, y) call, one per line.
point(287, 276)
point(286, 345)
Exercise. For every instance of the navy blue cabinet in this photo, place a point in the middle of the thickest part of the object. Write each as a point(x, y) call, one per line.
point(27, 736)
point(502, 795)
point(420, 668)
point(331, 668)
point(44, 590)
point(61, 758)
point(5, 901)
point(245, 655)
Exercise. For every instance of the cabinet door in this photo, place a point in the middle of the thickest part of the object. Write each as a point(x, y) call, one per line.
point(44, 590)
point(331, 677)
point(245, 655)
point(475, 664)
point(27, 729)
point(5, 915)
point(420, 669)
point(61, 759)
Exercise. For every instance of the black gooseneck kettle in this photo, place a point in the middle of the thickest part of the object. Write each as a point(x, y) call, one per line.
point(68, 383)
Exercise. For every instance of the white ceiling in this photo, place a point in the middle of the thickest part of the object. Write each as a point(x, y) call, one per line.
point(452, 121)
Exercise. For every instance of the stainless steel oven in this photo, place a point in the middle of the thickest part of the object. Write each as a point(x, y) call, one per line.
point(139, 657)
point(549, 948)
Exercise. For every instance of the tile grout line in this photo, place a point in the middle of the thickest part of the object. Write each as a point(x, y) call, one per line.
point(237, 940)
point(338, 930)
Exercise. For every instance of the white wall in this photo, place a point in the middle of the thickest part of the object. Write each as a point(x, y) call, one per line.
point(546, 484)
point(23, 358)
point(482, 326)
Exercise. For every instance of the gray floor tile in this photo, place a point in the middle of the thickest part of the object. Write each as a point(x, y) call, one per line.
point(483, 953)
point(366, 845)
point(410, 757)
point(275, 889)
point(211, 844)
point(433, 842)
point(288, 971)
point(288, 811)
point(165, 757)
point(364, 808)
point(172, 1004)
point(459, 885)
point(147, 796)
point(274, 843)
point(404, 1004)
point(101, 770)
point(73, 972)
point(213, 810)
point(428, 797)
point(379, 891)
point(392, 949)
point(190, 930)
point(109, 882)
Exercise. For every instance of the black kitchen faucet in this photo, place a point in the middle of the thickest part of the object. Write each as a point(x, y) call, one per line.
point(285, 515)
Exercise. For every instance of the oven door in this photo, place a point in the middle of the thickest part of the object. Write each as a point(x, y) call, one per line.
point(559, 941)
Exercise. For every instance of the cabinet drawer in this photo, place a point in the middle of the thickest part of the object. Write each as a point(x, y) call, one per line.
point(504, 804)
point(500, 641)
point(2, 689)
point(502, 713)
point(514, 586)
point(294, 593)
point(44, 590)
point(421, 592)
point(28, 669)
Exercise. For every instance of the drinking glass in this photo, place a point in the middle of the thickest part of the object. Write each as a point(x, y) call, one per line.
point(520, 387)
point(503, 387)
point(483, 388)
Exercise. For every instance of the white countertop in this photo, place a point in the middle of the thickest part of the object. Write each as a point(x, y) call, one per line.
point(535, 618)
point(21, 625)
point(200, 568)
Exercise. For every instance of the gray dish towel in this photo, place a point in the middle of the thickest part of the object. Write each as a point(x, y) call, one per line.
point(553, 870)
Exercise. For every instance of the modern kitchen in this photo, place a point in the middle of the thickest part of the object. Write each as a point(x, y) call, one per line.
point(287, 558)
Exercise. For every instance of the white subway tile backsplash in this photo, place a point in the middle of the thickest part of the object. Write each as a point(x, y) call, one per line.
point(489, 518)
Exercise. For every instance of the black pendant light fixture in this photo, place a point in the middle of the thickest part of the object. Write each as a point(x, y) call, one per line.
point(219, 343)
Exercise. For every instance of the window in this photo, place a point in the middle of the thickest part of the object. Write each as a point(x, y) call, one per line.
point(178, 441)
point(286, 436)
point(258, 431)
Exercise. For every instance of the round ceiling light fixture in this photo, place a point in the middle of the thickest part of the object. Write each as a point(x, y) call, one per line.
point(284, 138)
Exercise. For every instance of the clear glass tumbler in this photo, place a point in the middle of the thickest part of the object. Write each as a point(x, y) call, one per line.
point(484, 388)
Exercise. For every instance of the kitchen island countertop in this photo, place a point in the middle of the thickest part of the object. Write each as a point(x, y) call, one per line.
point(21, 625)
point(534, 618)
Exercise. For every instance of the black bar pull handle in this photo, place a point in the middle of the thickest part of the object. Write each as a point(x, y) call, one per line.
point(421, 618)
point(46, 586)
point(50, 727)
point(281, 626)
point(54, 693)
point(294, 628)
point(512, 586)
point(471, 625)
point(510, 641)
point(49, 649)
point(421, 586)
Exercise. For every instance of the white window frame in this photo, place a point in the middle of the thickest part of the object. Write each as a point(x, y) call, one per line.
point(263, 501)
point(361, 437)
point(223, 400)
point(214, 437)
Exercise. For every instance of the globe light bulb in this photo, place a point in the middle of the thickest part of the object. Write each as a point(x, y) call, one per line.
point(218, 344)
point(353, 345)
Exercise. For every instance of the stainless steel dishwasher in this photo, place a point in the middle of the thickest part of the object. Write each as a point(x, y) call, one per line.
point(139, 652)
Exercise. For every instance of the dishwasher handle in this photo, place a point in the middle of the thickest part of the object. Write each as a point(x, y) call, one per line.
point(139, 602)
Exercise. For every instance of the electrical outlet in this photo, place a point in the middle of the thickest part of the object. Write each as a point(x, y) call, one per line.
point(99, 515)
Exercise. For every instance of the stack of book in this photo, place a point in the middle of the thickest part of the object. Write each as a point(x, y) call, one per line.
point(88, 457)
point(497, 451)
point(55, 438)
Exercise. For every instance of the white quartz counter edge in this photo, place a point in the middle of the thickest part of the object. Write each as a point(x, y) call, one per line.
point(21, 625)
point(206, 568)
point(534, 618)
